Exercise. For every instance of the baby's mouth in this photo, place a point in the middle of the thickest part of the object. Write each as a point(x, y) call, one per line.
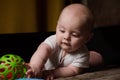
point(67, 44)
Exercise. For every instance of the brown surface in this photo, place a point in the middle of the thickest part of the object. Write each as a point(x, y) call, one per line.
point(106, 74)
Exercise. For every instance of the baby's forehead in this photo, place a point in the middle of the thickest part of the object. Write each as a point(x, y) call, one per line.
point(76, 12)
point(77, 8)
point(78, 15)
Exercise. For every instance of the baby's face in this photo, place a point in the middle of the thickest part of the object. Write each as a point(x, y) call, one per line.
point(70, 33)
point(72, 30)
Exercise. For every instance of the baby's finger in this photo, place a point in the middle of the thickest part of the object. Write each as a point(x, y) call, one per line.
point(27, 65)
point(29, 73)
point(49, 77)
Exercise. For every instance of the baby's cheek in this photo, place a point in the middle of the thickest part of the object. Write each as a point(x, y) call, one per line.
point(76, 44)
point(59, 39)
point(58, 42)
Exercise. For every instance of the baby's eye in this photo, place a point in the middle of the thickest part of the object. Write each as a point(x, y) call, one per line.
point(62, 30)
point(75, 34)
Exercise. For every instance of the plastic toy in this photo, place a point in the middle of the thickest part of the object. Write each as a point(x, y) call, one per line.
point(11, 67)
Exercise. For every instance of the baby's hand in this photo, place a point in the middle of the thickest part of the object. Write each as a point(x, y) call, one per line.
point(48, 74)
point(29, 72)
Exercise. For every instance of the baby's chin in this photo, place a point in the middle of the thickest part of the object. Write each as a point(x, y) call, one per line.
point(67, 49)
point(70, 50)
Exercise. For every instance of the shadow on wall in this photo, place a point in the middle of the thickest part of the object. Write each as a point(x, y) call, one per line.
point(106, 12)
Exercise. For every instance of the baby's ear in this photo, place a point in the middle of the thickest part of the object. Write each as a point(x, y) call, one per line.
point(89, 37)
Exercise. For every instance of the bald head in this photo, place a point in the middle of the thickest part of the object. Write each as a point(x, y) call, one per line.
point(78, 12)
point(77, 9)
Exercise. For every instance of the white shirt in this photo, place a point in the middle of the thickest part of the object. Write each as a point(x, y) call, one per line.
point(80, 58)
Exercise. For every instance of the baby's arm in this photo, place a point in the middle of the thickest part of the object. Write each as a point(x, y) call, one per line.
point(39, 58)
point(67, 71)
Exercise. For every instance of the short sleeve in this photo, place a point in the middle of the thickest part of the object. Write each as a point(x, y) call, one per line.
point(81, 60)
point(51, 41)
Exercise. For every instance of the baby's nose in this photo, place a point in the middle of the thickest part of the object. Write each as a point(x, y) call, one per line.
point(67, 36)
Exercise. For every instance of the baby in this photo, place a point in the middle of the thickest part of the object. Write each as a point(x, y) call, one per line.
point(64, 54)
